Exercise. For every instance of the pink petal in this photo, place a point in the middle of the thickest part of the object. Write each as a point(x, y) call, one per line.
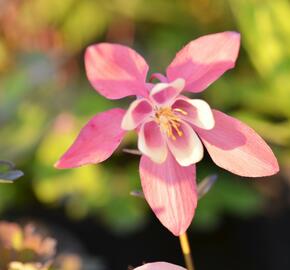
point(187, 148)
point(96, 141)
point(204, 60)
point(194, 111)
point(170, 191)
point(116, 71)
point(164, 93)
point(159, 77)
point(159, 266)
point(237, 148)
point(151, 142)
point(138, 111)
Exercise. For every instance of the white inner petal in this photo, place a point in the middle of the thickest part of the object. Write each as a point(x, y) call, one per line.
point(138, 111)
point(186, 148)
point(152, 143)
point(165, 93)
point(197, 112)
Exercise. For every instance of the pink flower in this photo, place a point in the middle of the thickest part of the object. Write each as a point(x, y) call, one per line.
point(159, 266)
point(172, 128)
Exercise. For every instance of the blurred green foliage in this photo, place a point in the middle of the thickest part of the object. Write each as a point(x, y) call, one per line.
point(45, 97)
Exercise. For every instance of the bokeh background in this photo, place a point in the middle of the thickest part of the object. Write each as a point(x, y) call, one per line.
point(45, 99)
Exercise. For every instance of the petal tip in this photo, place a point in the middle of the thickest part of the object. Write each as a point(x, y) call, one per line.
point(237, 148)
point(275, 167)
point(210, 124)
point(56, 165)
point(158, 159)
point(62, 164)
point(90, 47)
point(125, 125)
point(271, 169)
point(179, 83)
point(170, 190)
point(59, 165)
point(234, 34)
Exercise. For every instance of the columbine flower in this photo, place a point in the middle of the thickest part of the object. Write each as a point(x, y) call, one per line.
point(159, 266)
point(171, 127)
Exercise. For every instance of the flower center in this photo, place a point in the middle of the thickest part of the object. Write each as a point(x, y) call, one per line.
point(168, 121)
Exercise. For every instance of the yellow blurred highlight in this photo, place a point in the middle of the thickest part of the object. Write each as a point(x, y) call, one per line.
point(17, 240)
point(86, 181)
point(79, 186)
point(87, 15)
point(3, 55)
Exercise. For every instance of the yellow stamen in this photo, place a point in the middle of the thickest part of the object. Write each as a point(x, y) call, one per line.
point(169, 121)
point(181, 111)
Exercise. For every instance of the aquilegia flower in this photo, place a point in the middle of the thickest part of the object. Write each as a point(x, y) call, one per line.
point(159, 266)
point(172, 128)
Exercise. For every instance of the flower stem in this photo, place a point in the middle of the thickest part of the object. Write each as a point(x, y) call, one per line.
point(186, 251)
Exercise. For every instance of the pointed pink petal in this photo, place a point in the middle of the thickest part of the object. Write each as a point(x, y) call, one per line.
point(164, 93)
point(194, 111)
point(151, 142)
point(204, 60)
point(159, 266)
point(138, 111)
point(187, 148)
point(116, 71)
point(96, 141)
point(237, 148)
point(170, 191)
